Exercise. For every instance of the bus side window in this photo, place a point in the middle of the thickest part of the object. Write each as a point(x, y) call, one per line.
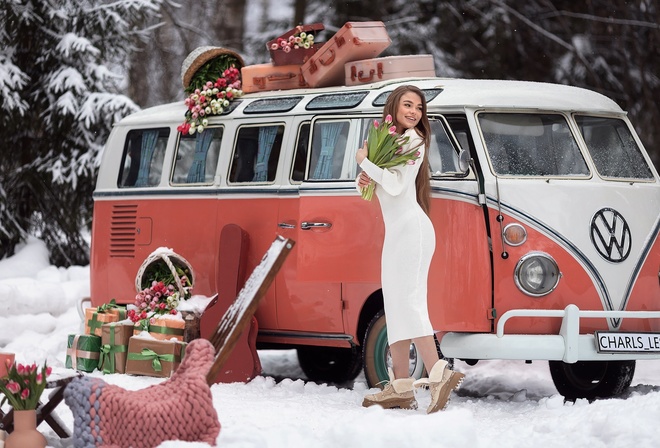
point(300, 159)
point(256, 154)
point(443, 157)
point(197, 157)
point(142, 160)
point(328, 150)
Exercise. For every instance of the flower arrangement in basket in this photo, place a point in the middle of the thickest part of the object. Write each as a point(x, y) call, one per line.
point(212, 79)
point(23, 385)
point(385, 150)
point(163, 281)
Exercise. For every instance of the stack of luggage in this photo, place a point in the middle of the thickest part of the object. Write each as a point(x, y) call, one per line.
point(349, 57)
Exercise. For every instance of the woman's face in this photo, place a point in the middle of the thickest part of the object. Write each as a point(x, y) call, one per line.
point(409, 111)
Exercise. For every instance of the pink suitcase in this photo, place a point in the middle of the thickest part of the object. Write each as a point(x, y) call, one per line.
point(263, 77)
point(353, 42)
point(389, 67)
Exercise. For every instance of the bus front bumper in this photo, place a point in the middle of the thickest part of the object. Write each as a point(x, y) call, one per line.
point(569, 345)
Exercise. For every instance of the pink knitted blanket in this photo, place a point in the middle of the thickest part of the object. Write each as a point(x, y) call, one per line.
point(180, 408)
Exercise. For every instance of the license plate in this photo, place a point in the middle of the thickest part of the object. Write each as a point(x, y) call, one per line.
point(617, 342)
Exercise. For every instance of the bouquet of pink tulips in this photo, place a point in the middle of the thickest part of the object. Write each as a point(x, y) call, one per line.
point(385, 150)
point(23, 385)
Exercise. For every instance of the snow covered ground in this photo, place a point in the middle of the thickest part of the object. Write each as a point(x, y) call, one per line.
point(501, 403)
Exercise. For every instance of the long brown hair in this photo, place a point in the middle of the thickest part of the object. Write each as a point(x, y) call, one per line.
point(423, 128)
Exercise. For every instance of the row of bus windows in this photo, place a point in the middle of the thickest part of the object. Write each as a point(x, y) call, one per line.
point(257, 152)
point(518, 144)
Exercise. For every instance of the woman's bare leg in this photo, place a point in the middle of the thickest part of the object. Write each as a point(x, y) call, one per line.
point(400, 352)
point(427, 350)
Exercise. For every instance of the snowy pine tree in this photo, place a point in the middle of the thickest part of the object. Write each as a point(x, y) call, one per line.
point(62, 68)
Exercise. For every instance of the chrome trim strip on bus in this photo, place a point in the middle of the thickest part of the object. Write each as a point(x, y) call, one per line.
point(305, 335)
point(196, 192)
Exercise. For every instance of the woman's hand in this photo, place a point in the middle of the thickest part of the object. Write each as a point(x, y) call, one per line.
point(361, 153)
point(363, 180)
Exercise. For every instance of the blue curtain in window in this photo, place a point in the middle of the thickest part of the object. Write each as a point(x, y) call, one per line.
point(147, 148)
point(329, 135)
point(266, 141)
point(197, 171)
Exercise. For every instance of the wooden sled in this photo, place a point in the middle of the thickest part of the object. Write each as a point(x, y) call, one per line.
point(239, 315)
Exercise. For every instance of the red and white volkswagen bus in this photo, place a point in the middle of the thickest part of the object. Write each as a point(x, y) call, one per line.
point(544, 201)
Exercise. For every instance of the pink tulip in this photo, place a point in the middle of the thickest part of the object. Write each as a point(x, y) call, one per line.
point(411, 162)
point(392, 130)
point(21, 369)
point(13, 387)
point(39, 378)
point(376, 123)
point(25, 394)
point(388, 118)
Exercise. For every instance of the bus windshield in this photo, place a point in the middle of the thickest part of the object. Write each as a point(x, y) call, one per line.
point(524, 144)
point(613, 148)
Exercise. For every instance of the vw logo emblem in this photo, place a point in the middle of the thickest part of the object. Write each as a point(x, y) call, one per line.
point(610, 235)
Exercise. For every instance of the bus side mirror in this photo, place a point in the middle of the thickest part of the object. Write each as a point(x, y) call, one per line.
point(464, 161)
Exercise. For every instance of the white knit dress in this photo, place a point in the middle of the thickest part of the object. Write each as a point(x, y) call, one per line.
point(407, 249)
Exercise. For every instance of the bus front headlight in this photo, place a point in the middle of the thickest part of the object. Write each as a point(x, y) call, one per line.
point(536, 274)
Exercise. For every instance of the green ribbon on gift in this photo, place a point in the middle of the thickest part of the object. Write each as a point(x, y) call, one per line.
point(148, 354)
point(108, 351)
point(165, 330)
point(112, 305)
point(94, 323)
point(144, 325)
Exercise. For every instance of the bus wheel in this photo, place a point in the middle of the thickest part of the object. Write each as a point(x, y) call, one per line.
point(376, 354)
point(330, 364)
point(591, 379)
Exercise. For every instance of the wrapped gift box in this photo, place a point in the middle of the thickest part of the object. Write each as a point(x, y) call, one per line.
point(162, 328)
point(114, 347)
point(83, 352)
point(151, 357)
point(96, 317)
point(296, 56)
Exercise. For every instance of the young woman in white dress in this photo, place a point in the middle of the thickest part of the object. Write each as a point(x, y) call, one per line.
point(404, 195)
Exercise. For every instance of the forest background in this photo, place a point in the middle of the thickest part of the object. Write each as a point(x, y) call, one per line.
point(69, 69)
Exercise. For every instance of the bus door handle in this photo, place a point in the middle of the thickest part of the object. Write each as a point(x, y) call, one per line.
point(286, 225)
point(309, 225)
